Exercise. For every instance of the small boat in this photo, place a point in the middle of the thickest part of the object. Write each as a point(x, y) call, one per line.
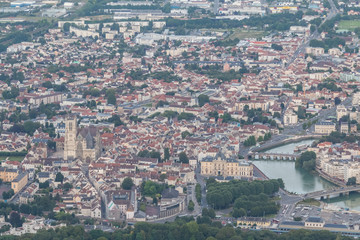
point(301, 148)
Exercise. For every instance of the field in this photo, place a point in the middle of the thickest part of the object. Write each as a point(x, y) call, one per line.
point(13, 158)
point(238, 33)
point(349, 24)
point(242, 34)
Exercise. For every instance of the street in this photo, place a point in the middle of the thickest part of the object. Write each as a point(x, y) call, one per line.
point(301, 49)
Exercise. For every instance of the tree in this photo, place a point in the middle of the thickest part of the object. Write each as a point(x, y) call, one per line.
point(111, 98)
point(66, 27)
point(127, 183)
point(209, 212)
point(162, 177)
point(225, 233)
point(351, 181)
point(214, 114)
point(238, 212)
point(299, 87)
point(183, 158)
point(59, 177)
point(301, 113)
point(203, 99)
point(25, 208)
point(198, 192)
point(307, 160)
point(185, 134)
point(51, 145)
point(276, 47)
point(250, 141)
point(226, 117)
point(67, 186)
point(15, 219)
point(8, 194)
point(166, 154)
point(267, 136)
point(191, 206)
point(337, 101)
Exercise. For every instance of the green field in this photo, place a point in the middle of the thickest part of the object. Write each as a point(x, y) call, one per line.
point(13, 158)
point(239, 33)
point(349, 24)
point(246, 34)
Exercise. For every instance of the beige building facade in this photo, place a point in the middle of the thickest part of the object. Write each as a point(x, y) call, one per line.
point(325, 127)
point(19, 182)
point(221, 166)
point(82, 143)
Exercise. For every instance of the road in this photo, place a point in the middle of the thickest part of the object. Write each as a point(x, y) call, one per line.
point(200, 179)
point(301, 49)
point(295, 130)
point(288, 203)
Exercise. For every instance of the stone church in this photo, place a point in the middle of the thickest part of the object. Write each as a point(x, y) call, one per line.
point(81, 143)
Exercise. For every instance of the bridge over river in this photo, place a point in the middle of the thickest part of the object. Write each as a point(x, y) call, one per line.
point(274, 156)
point(329, 193)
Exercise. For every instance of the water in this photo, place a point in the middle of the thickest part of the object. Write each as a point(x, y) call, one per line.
point(352, 201)
point(289, 148)
point(298, 180)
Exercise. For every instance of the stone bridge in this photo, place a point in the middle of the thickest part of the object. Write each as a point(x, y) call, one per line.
point(273, 156)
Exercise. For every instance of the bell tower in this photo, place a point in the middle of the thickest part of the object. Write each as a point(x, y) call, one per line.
point(70, 137)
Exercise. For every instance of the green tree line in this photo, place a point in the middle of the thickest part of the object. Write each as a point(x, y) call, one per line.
point(180, 229)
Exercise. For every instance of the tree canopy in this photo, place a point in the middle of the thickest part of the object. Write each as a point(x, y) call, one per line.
point(127, 183)
point(182, 228)
point(307, 161)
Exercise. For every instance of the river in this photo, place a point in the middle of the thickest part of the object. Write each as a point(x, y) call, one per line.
point(300, 181)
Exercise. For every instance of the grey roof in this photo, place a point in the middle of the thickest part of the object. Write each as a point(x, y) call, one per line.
point(170, 193)
point(20, 176)
point(140, 214)
point(329, 225)
point(314, 219)
point(293, 223)
point(43, 174)
point(325, 123)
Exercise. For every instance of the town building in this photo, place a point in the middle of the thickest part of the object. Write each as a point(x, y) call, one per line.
point(83, 143)
point(325, 127)
point(248, 222)
point(7, 174)
point(19, 182)
point(340, 112)
point(222, 166)
point(290, 118)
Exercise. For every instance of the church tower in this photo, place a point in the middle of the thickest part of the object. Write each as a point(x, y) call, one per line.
point(70, 137)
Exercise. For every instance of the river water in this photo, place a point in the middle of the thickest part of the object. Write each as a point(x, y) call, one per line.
point(300, 181)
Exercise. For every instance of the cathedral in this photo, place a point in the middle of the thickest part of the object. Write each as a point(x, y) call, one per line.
point(81, 143)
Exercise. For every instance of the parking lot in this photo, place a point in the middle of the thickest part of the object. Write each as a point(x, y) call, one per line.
point(329, 216)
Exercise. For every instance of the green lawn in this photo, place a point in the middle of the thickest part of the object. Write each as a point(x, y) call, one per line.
point(16, 158)
point(239, 33)
point(311, 201)
point(349, 24)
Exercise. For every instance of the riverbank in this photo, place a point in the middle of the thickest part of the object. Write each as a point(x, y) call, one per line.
point(259, 174)
point(269, 146)
point(330, 179)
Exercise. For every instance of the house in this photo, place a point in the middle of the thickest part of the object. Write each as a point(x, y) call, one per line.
point(325, 127)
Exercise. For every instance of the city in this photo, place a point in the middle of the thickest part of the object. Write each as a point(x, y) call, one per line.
point(177, 119)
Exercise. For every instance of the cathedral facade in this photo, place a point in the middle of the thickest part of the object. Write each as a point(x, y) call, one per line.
point(81, 143)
